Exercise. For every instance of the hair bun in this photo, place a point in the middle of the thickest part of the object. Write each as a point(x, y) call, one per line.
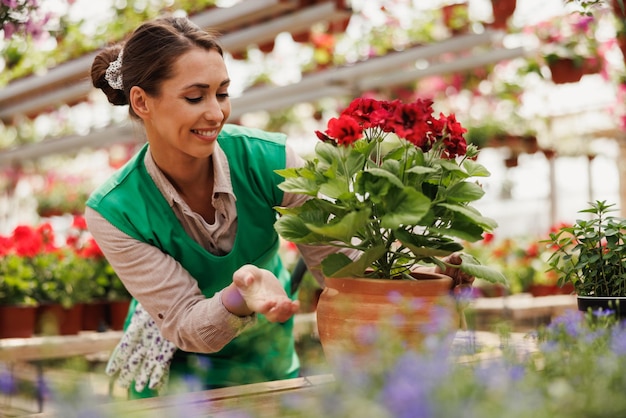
point(98, 72)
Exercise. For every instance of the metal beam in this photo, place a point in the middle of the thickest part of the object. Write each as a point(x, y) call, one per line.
point(366, 75)
point(69, 81)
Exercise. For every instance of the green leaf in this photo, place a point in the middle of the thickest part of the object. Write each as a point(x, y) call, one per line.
point(475, 169)
point(460, 229)
point(344, 229)
point(299, 185)
point(464, 192)
point(450, 165)
point(336, 189)
point(427, 246)
point(292, 228)
point(385, 175)
point(407, 208)
point(472, 214)
point(288, 172)
point(472, 266)
point(420, 169)
point(340, 265)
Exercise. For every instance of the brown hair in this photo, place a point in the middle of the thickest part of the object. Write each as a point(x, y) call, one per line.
point(149, 56)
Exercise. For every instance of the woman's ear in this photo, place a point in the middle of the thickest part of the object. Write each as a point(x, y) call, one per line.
point(139, 102)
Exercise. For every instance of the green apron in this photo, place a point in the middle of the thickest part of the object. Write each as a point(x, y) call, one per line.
point(132, 202)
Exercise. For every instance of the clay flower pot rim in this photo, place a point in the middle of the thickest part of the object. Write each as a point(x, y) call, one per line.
point(417, 275)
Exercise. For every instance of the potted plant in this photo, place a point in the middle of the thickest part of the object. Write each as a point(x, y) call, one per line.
point(570, 46)
point(394, 183)
point(591, 255)
point(118, 298)
point(17, 303)
point(502, 11)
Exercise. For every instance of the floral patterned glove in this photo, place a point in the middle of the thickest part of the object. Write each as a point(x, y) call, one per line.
point(143, 355)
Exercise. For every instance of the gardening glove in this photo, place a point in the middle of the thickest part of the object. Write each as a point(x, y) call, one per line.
point(142, 355)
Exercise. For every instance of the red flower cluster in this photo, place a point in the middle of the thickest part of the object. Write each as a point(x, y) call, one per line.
point(81, 241)
point(413, 122)
point(28, 241)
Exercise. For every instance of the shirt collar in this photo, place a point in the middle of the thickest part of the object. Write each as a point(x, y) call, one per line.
point(222, 182)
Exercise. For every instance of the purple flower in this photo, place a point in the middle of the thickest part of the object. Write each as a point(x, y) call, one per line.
point(571, 322)
point(618, 340)
point(409, 385)
point(7, 382)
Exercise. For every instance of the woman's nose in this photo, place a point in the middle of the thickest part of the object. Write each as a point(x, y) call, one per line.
point(214, 111)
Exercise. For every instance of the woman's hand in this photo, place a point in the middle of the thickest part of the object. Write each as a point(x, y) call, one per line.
point(461, 280)
point(263, 293)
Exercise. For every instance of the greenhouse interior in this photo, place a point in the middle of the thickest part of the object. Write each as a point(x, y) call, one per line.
point(475, 141)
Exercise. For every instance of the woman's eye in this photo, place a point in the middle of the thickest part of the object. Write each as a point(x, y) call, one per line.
point(223, 95)
point(194, 99)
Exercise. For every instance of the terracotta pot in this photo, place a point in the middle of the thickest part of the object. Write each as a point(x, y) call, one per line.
point(565, 70)
point(621, 43)
point(538, 290)
point(511, 162)
point(619, 9)
point(354, 315)
point(301, 37)
point(94, 316)
point(455, 17)
point(267, 47)
point(117, 312)
point(17, 321)
point(592, 65)
point(54, 319)
point(502, 11)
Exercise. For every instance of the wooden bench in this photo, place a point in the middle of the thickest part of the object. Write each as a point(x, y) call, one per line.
point(23, 356)
point(16, 352)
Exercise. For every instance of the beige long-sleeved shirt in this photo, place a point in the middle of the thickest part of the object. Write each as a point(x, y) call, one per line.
point(159, 282)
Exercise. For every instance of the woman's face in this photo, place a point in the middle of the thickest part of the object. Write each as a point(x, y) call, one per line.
point(192, 106)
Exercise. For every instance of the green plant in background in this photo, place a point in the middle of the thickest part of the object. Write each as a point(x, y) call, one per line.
point(34, 269)
point(101, 282)
point(115, 291)
point(17, 286)
point(62, 195)
point(591, 254)
point(523, 259)
point(481, 134)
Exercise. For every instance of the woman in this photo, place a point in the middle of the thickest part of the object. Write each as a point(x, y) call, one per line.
point(187, 223)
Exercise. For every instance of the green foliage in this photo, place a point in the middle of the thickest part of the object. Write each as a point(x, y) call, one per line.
point(591, 254)
point(17, 286)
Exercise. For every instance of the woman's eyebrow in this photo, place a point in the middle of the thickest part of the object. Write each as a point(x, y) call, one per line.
point(206, 86)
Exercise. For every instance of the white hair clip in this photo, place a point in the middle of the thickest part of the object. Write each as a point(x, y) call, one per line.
point(113, 74)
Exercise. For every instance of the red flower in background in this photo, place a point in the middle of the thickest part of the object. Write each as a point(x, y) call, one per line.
point(487, 237)
point(27, 241)
point(91, 249)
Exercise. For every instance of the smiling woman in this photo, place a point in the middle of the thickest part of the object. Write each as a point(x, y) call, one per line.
point(187, 223)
